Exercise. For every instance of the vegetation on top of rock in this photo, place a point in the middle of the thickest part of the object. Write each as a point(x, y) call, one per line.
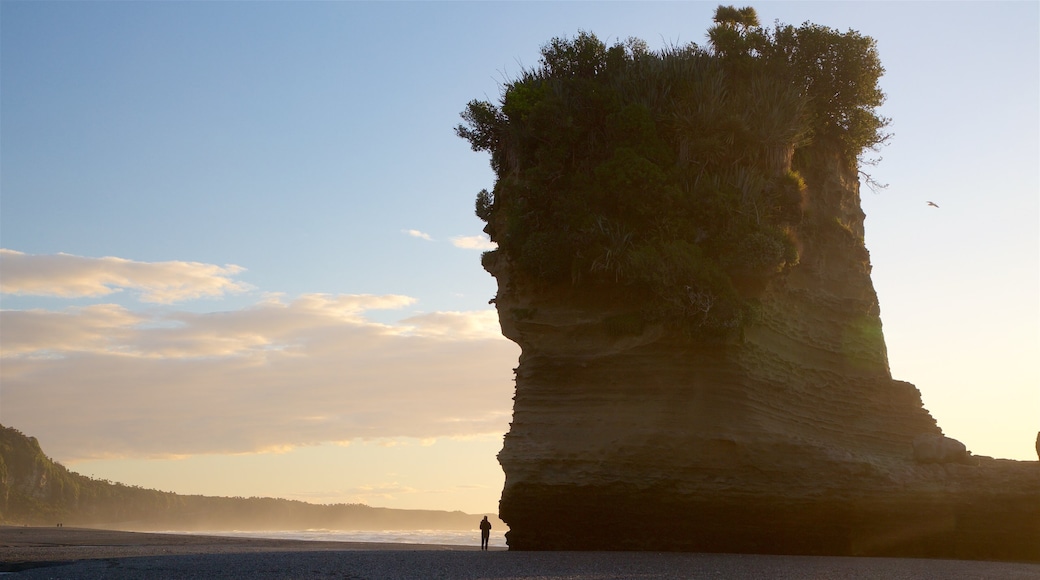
point(671, 176)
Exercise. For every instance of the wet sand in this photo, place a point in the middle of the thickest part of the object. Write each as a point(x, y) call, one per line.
point(85, 553)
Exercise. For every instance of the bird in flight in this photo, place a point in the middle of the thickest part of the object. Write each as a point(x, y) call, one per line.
point(933, 204)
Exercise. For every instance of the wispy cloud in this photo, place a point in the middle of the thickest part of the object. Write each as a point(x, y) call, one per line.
point(108, 329)
point(473, 243)
point(68, 276)
point(105, 381)
point(459, 325)
point(478, 242)
point(418, 234)
point(44, 333)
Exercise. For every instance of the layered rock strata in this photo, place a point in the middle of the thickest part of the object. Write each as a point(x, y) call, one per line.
point(792, 438)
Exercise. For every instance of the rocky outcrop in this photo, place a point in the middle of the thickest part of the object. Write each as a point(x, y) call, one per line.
point(939, 449)
point(791, 438)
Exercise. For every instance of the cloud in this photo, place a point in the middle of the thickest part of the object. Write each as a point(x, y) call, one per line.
point(103, 381)
point(418, 234)
point(464, 325)
point(68, 276)
point(108, 329)
point(473, 243)
point(43, 333)
point(479, 242)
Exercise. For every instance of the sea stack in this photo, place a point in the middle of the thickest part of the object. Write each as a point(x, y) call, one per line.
point(703, 366)
point(793, 439)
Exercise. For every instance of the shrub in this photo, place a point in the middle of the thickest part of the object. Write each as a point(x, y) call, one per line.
point(671, 174)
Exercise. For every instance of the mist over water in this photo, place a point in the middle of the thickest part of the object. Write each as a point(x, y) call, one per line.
point(441, 537)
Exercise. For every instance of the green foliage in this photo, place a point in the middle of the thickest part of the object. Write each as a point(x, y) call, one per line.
point(736, 33)
point(482, 129)
point(669, 174)
point(729, 16)
point(585, 56)
point(484, 205)
point(838, 75)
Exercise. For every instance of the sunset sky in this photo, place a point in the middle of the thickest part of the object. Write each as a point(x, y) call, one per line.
point(240, 255)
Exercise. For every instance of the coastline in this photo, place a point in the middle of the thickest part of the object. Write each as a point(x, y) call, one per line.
point(30, 544)
point(36, 552)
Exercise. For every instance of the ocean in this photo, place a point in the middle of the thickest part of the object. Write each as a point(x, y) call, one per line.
point(446, 537)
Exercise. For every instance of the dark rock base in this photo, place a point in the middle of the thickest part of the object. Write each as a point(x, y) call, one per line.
point(975, 526)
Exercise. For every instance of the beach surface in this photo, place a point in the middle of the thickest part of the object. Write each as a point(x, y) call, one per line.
point(27, 552)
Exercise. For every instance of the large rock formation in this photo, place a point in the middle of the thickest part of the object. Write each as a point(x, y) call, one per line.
point(681, 259)
point(790, 438)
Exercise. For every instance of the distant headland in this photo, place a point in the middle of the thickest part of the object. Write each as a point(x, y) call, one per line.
point(34, 490)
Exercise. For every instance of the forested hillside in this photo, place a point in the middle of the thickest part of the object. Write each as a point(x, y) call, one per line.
point(34, 490)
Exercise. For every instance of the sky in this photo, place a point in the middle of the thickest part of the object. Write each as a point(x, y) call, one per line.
point(240, 255)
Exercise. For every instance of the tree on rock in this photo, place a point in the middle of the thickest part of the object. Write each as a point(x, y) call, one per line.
point(670, 177)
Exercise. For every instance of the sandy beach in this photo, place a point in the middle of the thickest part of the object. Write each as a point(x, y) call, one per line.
point(86, 553)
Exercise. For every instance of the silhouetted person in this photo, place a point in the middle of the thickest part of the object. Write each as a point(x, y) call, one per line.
point(485, 530)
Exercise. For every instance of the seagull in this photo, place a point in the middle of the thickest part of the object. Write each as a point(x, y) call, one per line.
point(933, 204)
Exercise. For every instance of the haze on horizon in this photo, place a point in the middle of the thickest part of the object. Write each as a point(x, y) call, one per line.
point(240, 256)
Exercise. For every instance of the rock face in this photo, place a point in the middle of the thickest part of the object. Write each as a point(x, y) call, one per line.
point(938, 449)
point(792, 438)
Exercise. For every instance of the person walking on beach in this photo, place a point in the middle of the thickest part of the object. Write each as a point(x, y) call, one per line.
point(485, 533)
